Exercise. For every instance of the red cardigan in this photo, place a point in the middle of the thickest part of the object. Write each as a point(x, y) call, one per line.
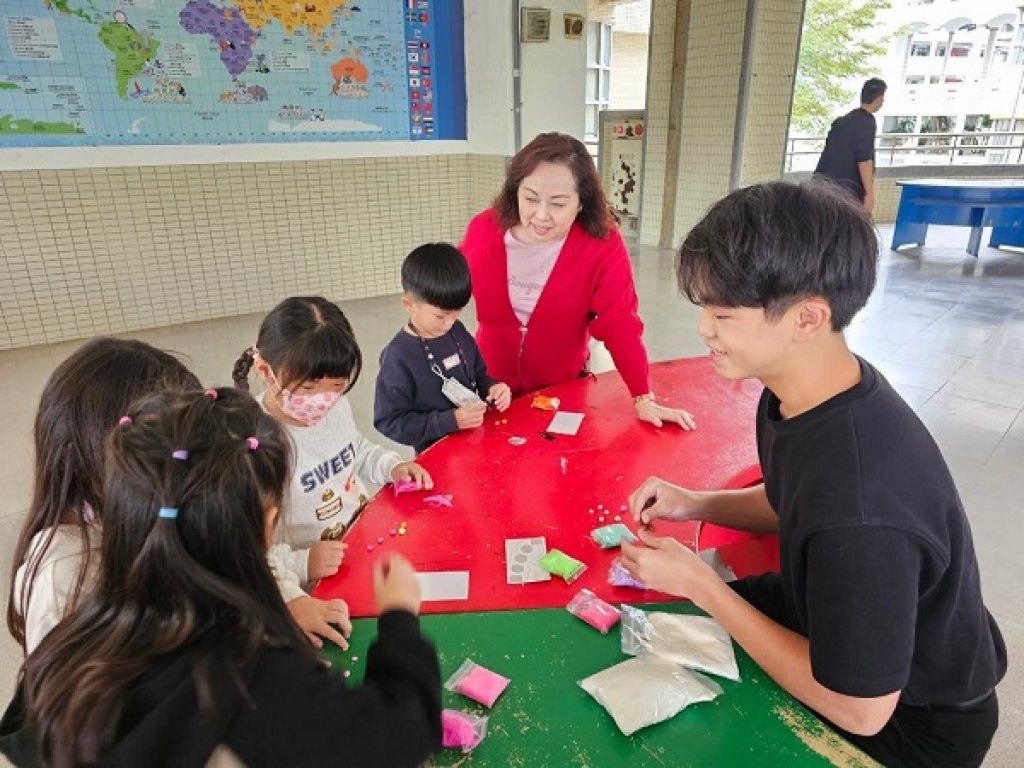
point(590, 293)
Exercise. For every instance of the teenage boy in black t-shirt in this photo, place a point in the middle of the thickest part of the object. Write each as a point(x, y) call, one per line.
point(876, 620)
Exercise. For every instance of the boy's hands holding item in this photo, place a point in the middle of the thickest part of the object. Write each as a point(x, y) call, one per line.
point(655, 498)
point(470, 416)
point(325, 558)
point(411, 471)
point(667, 566)
point(394, 584)
point(500, 396)
point(322, 619)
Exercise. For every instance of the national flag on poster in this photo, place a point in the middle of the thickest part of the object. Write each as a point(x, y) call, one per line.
point(414, 57)
point(426, 82)
point(414, 82)
point(410, 4)
point(426, 70)
point(414, 71)
point(424, 18)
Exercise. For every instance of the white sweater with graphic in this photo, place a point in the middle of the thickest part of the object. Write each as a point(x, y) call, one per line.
point(333, 464)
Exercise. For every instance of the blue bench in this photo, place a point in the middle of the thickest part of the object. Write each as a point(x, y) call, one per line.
point(974, 203)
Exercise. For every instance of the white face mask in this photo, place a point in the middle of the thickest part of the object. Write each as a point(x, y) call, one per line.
point(308, 409)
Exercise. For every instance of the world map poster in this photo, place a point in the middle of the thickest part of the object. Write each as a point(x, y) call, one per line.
point(76, 73)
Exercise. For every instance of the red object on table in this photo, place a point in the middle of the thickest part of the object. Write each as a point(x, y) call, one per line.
point(502, 491)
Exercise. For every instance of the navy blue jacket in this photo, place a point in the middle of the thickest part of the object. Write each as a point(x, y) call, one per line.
point(408, 405)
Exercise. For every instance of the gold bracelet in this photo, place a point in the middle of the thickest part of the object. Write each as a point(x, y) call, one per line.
point(649, 397)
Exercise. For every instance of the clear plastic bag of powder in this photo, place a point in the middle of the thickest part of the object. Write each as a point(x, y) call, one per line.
point(695, 642)
point(647, 690)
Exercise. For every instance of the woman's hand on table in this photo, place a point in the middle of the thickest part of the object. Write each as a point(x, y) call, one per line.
point(656, 498)
point(325, 558)
point(667, 566)
point(395, 586)
point(322, 619)
point(410, 470)
point(648, 410)
point(470, 416)
point(500, 396)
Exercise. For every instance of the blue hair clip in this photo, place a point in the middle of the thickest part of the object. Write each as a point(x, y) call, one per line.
point(180, 455)
point(169, 512)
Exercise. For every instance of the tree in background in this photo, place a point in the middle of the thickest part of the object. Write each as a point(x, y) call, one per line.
point(839, 43)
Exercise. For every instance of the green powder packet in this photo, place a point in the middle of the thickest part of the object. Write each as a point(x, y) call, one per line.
point(560, 564)
point(608, 536)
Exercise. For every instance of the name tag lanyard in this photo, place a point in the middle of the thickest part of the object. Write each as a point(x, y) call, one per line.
point(433, 363)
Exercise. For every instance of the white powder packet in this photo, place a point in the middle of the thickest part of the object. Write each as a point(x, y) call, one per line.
point(646, 690)
point(696, 642)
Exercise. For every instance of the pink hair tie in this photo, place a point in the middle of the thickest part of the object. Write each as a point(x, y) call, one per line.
point(124, 421)
point(253, 443)
point(212, 394)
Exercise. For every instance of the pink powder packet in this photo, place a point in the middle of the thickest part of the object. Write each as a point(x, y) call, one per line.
point(596, 612)
point(405, 486)
point(462, 729)
point(439, 500)
point(477, 683)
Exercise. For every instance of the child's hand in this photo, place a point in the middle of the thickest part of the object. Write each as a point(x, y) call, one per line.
point(395, 585)
point(500, 395)
point(470, 416)
point(318, 618)
point(325, 558)
point(410, 470)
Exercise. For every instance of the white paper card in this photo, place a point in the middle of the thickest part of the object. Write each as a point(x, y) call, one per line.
point(565, 423)
point(444, 585)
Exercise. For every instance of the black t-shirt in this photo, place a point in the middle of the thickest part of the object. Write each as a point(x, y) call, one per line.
point(408, 404)
point(878, 567)
point(851, 140)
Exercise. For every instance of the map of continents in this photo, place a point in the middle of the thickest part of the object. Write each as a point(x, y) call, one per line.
point(102, 72)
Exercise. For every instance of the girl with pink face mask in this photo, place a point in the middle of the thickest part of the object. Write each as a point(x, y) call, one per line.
point(307, 356)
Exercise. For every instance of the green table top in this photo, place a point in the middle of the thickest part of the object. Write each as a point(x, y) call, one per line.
point(544, 718)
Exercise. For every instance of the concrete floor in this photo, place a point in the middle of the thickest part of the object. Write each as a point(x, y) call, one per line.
point(946, 329)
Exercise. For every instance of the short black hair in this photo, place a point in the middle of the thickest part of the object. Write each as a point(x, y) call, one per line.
point(872, 89)
point(437, 273)
point(771, 245)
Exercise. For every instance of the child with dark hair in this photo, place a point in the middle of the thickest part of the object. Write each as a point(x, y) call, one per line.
point(876, 620)
point(432, 379)
point(56, 555)
point(184, 653)
point(307, 356)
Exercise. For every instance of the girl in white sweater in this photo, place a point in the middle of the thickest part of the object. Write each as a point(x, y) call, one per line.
point(308, 358)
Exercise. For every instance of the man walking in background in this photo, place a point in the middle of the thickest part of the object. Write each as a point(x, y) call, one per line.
point(849, 155)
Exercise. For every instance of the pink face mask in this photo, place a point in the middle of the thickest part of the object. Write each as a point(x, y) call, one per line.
point(309, 409)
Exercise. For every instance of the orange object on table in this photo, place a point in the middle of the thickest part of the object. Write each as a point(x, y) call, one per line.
point(561, 487)
point(545, 403)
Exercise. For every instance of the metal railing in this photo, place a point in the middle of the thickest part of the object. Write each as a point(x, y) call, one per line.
point(900, 149)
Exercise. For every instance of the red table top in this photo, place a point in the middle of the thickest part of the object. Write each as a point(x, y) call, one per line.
point(502, 491)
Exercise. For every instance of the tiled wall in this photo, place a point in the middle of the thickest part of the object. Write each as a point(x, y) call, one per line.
point(659, 94)
point(710, 98)
point(776, 43)
point(109, 250)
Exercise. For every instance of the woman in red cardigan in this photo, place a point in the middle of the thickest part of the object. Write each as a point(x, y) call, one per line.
point(549, 271)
